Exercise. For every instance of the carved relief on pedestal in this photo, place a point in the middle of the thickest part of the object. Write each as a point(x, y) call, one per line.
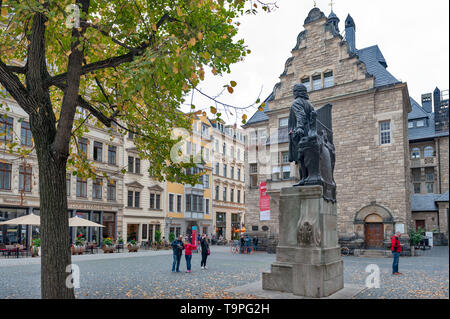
point(308, 234)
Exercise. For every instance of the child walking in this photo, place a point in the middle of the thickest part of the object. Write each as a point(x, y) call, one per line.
point(188, 247)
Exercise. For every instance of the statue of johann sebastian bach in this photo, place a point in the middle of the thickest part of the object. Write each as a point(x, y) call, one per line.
point(311, 143)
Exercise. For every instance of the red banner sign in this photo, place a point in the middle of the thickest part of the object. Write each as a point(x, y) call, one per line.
point(264, 202)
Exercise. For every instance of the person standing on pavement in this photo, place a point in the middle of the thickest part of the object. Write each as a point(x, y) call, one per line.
point(255, 243)
point(177, 246)
point(205, 251)
point(188, 248)
point(242, 244)
point(396, 249)
point(247, 244)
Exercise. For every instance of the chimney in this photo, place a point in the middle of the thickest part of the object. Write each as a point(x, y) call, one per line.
point(437, 98)
point(427, 104)
point(350, 34)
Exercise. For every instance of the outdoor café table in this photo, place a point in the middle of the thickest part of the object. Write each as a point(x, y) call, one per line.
point(12, 250)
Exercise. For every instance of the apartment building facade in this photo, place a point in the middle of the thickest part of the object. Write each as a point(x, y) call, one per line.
point(98, 200)
point(228, 149)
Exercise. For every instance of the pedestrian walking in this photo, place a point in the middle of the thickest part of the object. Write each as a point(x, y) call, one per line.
point(177, 246)
point(188, 248)
point(205, 251)
point(396, 249)
point(255, 243)
point(242, 244)
point(247, 243)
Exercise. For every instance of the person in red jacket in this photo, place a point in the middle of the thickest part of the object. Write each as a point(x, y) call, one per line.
point(396, 249)
point(188, 247)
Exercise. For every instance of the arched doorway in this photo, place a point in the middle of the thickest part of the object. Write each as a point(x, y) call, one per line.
point(374, 223)
point(374, 231)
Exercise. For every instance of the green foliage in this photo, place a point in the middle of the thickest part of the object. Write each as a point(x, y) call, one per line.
point(171, 237)
point(416, 236)
point(158, 236)
point(80, 241)
point(108, 241)
point(120, 240)
point(36, 242)
point(172, 42)
point(132, 242)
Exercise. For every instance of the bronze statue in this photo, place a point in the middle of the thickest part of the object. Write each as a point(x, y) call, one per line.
point(311, 143)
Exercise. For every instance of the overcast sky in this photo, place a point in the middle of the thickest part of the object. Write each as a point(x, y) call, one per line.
point(411, 34)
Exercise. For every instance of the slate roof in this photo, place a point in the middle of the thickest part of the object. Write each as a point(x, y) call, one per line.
point(427, 131)
point(417, 112)
point(376, 65)
point(424, 202)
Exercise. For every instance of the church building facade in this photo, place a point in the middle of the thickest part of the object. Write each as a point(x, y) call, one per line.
point(370, 132)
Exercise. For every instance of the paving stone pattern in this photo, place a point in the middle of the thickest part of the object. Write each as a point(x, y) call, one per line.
point(148, 274)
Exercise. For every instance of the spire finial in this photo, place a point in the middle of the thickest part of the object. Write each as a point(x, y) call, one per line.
point(331, 5)
point(315, 3)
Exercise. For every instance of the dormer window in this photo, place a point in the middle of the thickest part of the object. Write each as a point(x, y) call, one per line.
point(328, 79)
point(306, 82)
point(410, 124)
point(420, 123)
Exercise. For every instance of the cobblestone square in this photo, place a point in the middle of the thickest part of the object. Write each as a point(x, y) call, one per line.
point(147, 274)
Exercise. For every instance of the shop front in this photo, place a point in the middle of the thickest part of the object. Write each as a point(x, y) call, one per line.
point(17, 234)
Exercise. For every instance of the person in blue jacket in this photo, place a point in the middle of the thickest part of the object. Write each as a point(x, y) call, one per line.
point(177, 246)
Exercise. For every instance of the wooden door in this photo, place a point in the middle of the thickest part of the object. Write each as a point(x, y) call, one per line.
point(420, 223)
point(374, 235)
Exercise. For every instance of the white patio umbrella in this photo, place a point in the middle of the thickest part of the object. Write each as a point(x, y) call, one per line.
point(30, 219)
point(81, 222)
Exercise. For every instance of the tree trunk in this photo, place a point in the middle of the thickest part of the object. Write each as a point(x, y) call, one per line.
point(55, 242)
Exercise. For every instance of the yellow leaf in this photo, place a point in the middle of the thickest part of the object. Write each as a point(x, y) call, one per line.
point(230, 89)
point(200, 36)
point(179, 11)
point(214, 71)
point(154, 27)
point(192, 42)
point(244, 117)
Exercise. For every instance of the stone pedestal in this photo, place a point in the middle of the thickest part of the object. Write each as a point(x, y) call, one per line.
point(308, 254)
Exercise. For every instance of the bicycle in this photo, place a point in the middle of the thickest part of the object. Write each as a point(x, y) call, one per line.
point(345, 251)
point(234, 247)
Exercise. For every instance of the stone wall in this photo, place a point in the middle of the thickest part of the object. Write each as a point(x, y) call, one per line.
point(366, 172)
point(444, 162)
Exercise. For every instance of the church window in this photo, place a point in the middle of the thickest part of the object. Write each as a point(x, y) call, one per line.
point(415, 152)
point(410, 124)
point(317, 82)
point(328, 79)
point(306, 82)
point(385, 132)
point(420, 123)
point(428, 151)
